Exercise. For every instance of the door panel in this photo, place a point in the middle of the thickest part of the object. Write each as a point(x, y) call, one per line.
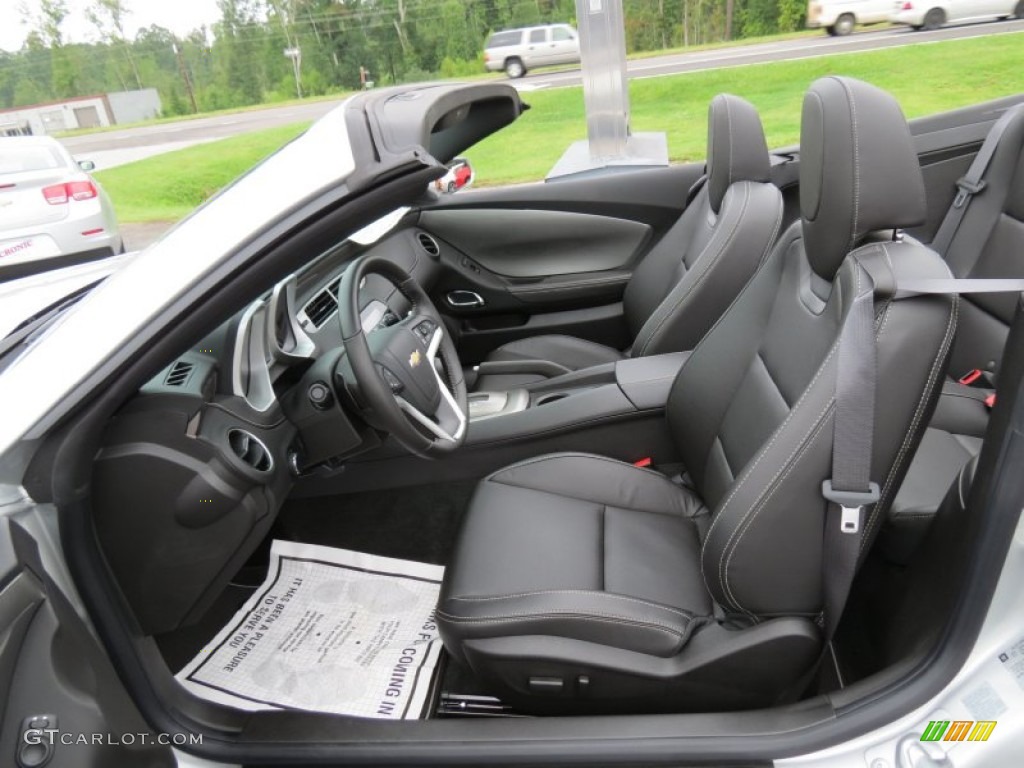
point(549, 258)
point(537, 244)
point(57, 688)
point(946, 145)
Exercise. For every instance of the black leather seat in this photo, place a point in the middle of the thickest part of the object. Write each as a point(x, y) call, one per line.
point(988, 243)
point(683, 285)
point(583, 584)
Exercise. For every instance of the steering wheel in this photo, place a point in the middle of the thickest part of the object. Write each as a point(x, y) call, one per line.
point(395, 367)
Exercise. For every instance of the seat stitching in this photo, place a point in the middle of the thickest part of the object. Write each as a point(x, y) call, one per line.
point(594, 456)
point(747, 471)
point(897, 464)
point(932, 378)
point(722, 574)
point(538, 592)
point(668, 313)
point(856, 161)
point(775, 484)
point(565, 495)
point(728, 128)
point(597, 617)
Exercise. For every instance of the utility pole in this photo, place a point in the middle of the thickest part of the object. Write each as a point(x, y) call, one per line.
point(295, 54)
point(184, 76)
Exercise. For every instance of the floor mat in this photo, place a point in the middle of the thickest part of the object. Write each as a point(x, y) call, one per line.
point(330, 630)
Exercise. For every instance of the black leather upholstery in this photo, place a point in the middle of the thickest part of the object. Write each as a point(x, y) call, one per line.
point(693, 273)
point(853, 178)
point(737, 149)
point(554, 549)
point(615, 562)
point(988, 243)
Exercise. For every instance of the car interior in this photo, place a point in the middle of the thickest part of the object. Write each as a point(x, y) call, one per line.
point(617, 439)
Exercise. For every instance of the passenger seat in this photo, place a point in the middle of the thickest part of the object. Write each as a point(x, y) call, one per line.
point(686, 282)
point(989, 243)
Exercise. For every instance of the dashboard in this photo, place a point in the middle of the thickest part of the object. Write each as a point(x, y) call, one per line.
point(211, 445)
point(298, 321)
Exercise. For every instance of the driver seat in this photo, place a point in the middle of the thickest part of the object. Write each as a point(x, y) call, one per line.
point(583, 584)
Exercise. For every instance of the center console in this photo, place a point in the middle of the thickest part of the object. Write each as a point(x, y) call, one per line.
point(578, 398)
point(615, 410)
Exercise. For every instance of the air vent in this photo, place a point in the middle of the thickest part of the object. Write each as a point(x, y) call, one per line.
point(179, 373)
point(429, 244)
point(250, 450)
point(321, 307)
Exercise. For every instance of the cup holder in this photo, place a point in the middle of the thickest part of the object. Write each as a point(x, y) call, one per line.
point(550, 398)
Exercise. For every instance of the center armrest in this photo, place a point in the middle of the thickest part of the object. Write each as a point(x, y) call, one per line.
point(646, 381)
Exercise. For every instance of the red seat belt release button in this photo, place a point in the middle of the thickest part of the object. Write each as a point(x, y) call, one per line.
point(644, 462)
point(990, 401)
point(970, 377)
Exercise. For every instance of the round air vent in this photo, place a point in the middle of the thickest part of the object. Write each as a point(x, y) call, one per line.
point(250, 449)
point(429, 244)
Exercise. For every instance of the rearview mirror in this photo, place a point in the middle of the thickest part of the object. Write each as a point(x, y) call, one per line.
point(87, 165)
point(459, 176)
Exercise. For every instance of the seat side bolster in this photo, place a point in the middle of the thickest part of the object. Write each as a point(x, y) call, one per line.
point(600, 480)
point(602, 617)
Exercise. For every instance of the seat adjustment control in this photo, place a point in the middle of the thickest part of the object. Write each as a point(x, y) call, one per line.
point(547, 685)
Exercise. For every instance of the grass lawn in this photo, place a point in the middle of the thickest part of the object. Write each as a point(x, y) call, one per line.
point(167, 187)
point(926, 78)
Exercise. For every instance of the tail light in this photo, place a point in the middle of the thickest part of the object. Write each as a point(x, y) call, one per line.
point(907, 7)
point(59, 194)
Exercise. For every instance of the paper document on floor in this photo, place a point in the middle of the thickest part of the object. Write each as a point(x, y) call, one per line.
point(329, 630)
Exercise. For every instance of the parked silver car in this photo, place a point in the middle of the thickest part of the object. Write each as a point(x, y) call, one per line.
point(519, 50)
point(49, 204)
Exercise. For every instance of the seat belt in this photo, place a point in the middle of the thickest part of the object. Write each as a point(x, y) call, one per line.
point(694, 190)
point(972, 182)
point(850, 490)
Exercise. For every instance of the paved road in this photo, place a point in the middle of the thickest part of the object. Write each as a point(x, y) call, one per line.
point(118, 147)
point(801, 48)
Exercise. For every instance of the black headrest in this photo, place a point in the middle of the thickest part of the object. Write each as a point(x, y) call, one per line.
point(859, 172)
point(737, 150)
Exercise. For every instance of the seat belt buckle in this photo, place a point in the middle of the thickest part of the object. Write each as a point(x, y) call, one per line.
point(965, 189)
point(970, 377)
point(990, 401)
point(851, 503)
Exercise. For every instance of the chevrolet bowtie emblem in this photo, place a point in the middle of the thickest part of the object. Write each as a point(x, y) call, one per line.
point(414, 358)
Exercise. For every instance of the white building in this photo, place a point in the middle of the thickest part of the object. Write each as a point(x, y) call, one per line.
point(81, 112)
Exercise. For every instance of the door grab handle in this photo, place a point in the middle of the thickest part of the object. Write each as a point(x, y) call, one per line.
point(465, 299)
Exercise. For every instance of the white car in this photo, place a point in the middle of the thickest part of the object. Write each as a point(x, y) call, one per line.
point(839, 17)
point(517, 51)
point(283, 372)
point(50, 207)
point(932, 14)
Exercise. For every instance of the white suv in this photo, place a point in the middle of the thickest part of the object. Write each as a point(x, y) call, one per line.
point(518, 50)
point(839, 17)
